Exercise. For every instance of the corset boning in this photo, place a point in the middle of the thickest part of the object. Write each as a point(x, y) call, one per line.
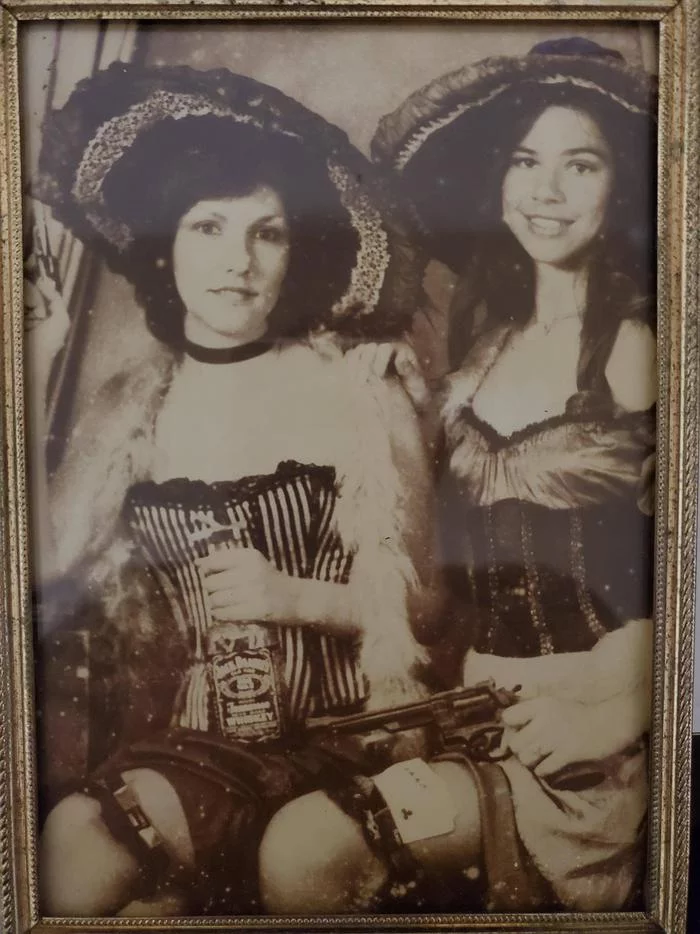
point(534, 581)
point(531, 578)
point(288, 517)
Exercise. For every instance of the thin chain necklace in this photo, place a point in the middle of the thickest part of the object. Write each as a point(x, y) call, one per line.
point(548, 327)
point(579, 297)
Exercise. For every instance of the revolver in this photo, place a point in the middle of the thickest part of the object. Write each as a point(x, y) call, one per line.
point(465, 719)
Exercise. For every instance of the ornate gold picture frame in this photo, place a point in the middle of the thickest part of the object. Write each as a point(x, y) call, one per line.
point(336, 687)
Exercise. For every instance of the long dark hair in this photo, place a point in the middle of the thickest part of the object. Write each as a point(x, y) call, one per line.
point(196, 158)
point(497, 277)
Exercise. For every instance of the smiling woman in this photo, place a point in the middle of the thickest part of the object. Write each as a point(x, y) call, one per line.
point(555, 199)
point(557, 187)
point(531, 177)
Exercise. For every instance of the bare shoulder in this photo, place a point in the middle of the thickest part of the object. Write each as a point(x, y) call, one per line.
point(631, 368)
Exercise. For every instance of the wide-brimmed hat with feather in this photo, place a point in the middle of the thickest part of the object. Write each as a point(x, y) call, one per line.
point(95, 184)
point(446, 138)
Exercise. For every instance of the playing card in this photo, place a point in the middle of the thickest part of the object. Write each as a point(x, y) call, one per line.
point(418, 799)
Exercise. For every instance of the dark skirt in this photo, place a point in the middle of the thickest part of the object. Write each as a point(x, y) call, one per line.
point(229, 791)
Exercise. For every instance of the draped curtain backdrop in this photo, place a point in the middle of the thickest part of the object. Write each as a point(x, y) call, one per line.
point(53, 58)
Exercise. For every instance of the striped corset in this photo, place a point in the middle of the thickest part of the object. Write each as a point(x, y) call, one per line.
point(288, 517)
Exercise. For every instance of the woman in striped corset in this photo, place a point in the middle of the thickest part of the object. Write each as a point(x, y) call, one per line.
point(240, 506)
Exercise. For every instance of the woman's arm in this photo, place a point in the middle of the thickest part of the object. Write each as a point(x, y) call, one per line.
point(241, 584)
point(583, 705)
point(618, 664)
point(631, 370)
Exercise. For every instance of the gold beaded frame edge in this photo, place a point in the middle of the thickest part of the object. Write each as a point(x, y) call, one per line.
point(675, 556)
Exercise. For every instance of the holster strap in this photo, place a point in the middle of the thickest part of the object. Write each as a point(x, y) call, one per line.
point(127, 822)
point(513, 882)
point(361, 799)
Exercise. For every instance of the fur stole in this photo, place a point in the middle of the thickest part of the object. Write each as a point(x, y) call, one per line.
point(383, 515)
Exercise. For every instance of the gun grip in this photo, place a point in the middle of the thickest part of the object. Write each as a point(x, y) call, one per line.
point(482, 743)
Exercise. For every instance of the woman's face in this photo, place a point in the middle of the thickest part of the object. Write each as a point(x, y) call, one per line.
point(230, 257)
point(557, 186)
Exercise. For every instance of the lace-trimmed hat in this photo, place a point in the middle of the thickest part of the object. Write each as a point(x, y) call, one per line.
point(107, 151)
point(447, 137)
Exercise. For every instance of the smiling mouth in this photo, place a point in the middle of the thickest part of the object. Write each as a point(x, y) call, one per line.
point(547, 226)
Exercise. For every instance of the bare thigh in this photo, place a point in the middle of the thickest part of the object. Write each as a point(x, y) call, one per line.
point(162, 807)
point(84, 870)
point(462, 847)
point(314, 857)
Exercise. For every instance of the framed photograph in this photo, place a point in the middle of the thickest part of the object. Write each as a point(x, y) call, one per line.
point(350, 455)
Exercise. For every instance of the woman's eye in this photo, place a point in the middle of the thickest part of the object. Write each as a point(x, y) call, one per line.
point(523, 162)
point(271, 235)
point(208, 228)
point(583, 168)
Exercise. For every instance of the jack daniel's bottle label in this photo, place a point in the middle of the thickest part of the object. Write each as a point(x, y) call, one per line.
point(243, 661)
point(246, 682)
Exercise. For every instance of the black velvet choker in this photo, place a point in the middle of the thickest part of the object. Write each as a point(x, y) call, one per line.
point(226, 354)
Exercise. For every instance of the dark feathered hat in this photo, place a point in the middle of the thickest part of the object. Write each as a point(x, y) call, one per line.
point(442, 140)
point(92, 175)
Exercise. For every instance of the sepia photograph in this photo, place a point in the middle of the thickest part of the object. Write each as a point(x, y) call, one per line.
point(340, 393)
